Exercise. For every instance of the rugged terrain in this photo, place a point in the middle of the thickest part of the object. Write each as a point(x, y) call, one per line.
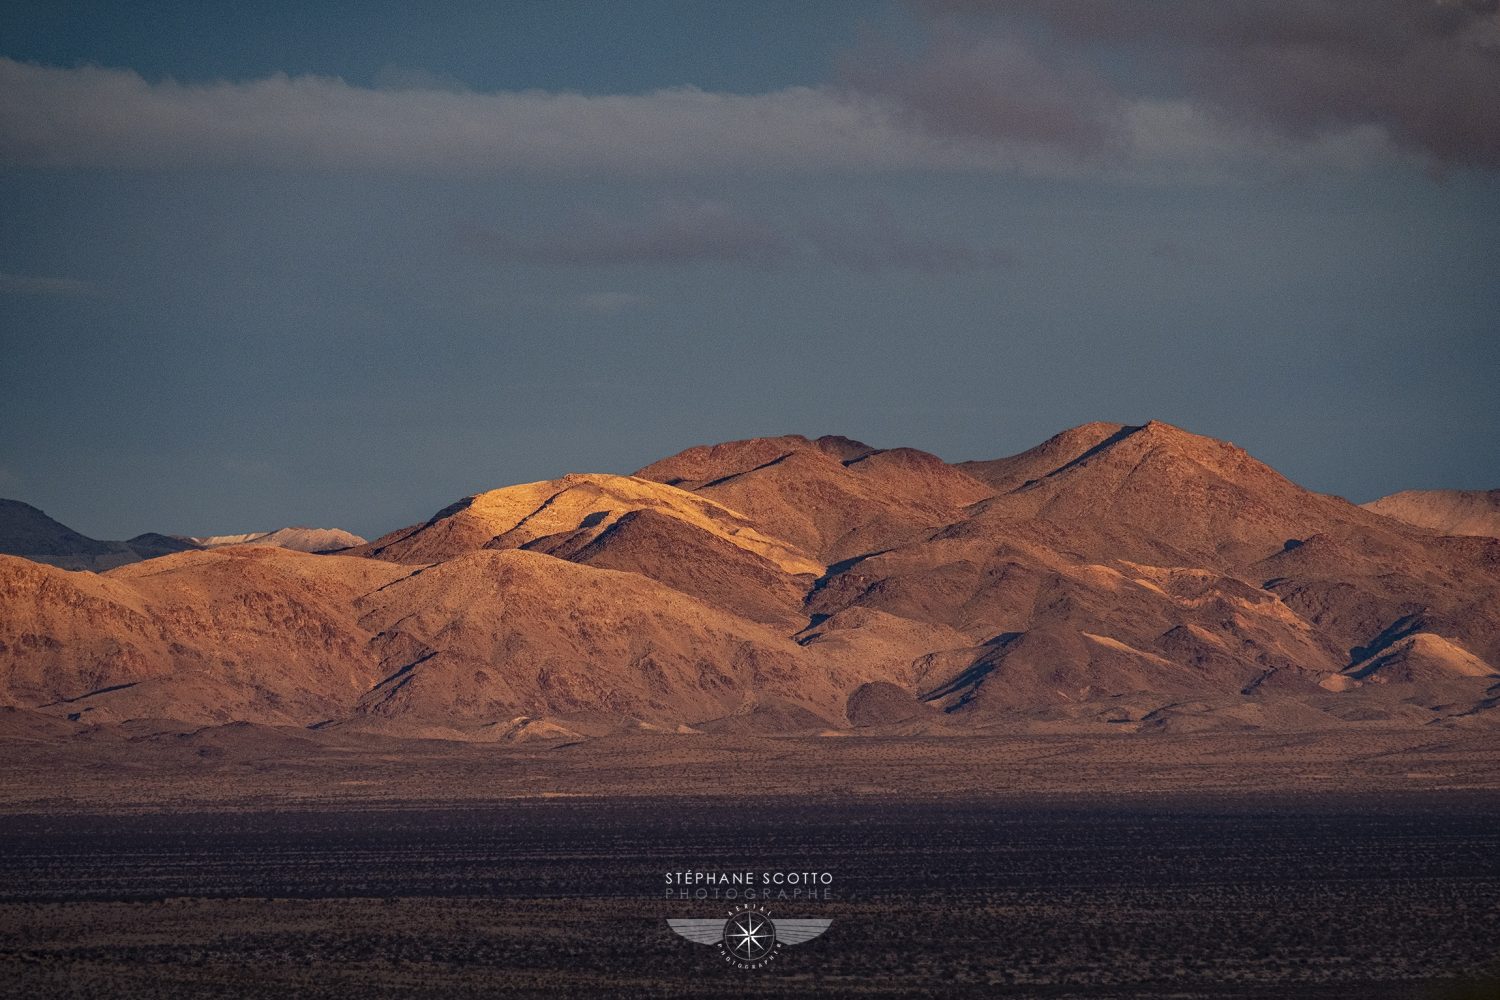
point(1114, 579)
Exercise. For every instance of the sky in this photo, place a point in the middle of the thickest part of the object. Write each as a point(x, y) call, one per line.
point(340, 264)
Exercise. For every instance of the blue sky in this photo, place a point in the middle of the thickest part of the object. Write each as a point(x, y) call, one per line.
point(340, 264)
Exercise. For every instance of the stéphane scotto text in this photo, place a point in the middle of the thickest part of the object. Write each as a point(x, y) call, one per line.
point(749, 885)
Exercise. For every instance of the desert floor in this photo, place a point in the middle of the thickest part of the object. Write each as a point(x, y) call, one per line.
point(1355, 898)
point(167, 766)
point(242, 862)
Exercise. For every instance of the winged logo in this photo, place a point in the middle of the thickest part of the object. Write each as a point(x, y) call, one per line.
point(749, 935)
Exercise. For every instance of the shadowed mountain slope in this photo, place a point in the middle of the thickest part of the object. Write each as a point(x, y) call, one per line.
point(686, 558)
point(833, 497)
point(1006, 474)
point(28, 532)
point(519, 516)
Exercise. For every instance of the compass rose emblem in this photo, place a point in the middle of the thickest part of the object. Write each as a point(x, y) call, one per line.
point(749, 935)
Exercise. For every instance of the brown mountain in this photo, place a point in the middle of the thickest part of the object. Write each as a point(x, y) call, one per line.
point(240, 633)
point(270, 635)
point(1135, 577)
point(1151, 551)
point(1449, 512)
point(493, 634)
point(1006, 474)
point(556, 510)
point(833, 497)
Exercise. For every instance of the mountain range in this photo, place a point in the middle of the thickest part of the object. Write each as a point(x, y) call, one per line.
point(28, 532)
point(1113, 578)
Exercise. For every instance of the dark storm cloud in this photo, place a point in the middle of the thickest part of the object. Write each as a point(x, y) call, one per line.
point(85, 117)
point(975, 105)
point(1425, 71)
point(993, 88)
